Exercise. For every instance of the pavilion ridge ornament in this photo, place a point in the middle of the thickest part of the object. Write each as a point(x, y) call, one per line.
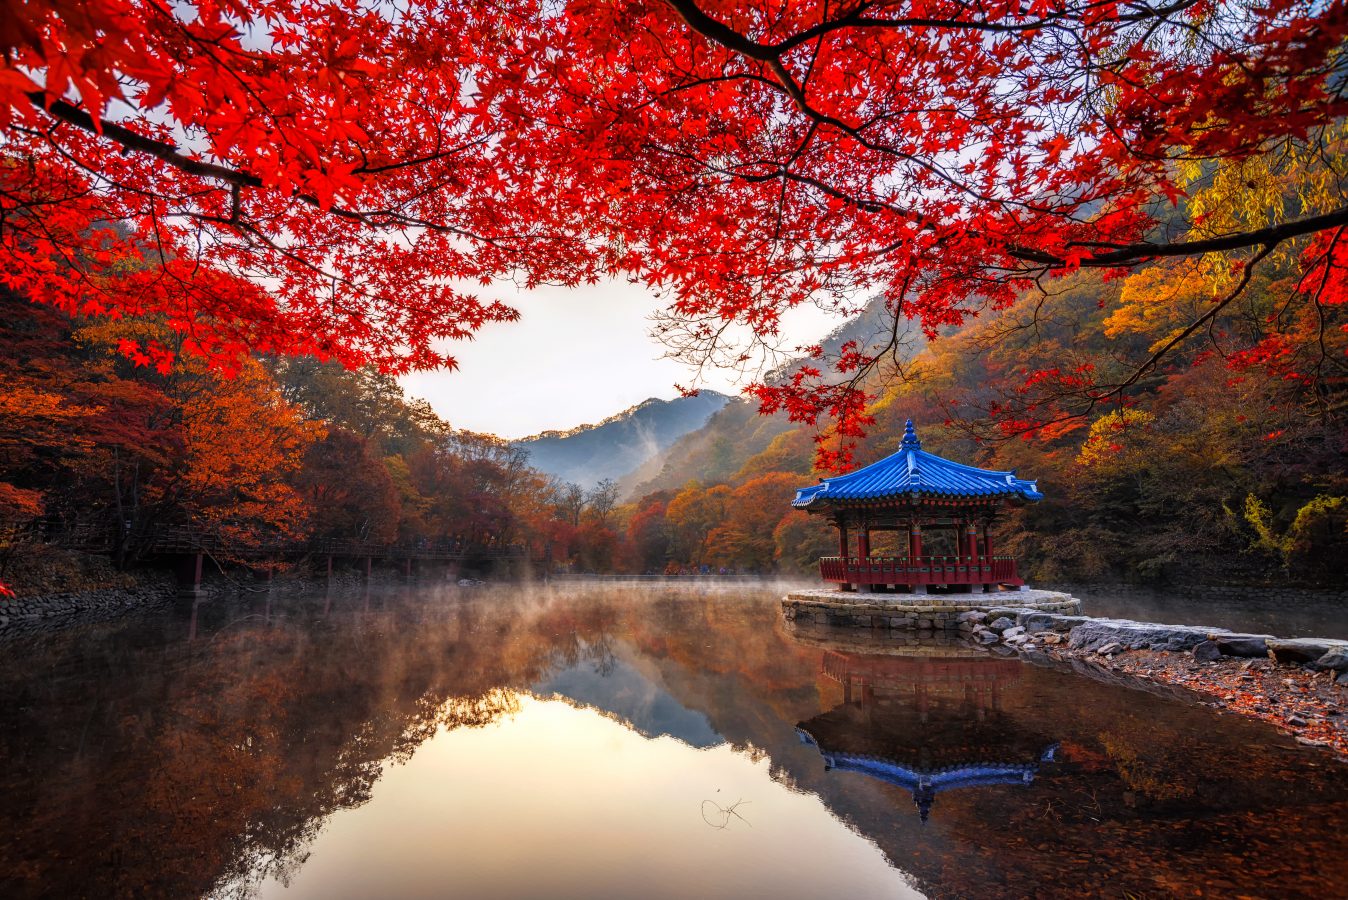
point(926, 497)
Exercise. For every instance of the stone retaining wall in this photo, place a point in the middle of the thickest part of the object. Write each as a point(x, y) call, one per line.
point(921, 612)
point(26, 615)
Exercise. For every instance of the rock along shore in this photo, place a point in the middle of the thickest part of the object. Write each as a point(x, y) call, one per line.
point(1300, 685)
point(34, 614)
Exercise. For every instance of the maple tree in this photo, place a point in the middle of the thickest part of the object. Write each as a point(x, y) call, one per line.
point(330, 178)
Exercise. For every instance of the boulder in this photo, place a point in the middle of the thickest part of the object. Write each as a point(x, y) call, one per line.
point(1207, 651)
point(1010, 612)
point(1015, 631)
point(976, 617)
point(987, 637)
point(1336, 659)
point(1042, 621)
point(1111, 647)
point(1001, 623)
point(1254, 646)
point(1302, 650)
point(1096, 633)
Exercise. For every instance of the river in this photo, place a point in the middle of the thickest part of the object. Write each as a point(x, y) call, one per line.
point(620, 741)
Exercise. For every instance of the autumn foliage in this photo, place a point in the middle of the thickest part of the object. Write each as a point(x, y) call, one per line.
point(331, 178)
point(261, 463)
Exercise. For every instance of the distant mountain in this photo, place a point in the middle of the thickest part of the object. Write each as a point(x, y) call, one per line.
point(737, 442)
point(621, 443)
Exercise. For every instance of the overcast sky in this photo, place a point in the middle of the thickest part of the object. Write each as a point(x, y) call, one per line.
point(576, 356)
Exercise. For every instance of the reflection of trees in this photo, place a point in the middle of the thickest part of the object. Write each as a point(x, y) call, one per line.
point(1155, 771)
point(215, 762)
point(132, 766)
point(1085, 828)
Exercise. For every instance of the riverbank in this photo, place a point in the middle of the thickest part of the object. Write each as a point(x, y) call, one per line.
point(1299, 686)
point(58, 590)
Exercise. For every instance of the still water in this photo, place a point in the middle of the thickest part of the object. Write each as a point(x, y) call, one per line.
point(1310, 614)
point(621, 742)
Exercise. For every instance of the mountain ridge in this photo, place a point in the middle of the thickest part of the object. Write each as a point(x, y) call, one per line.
point(590, 426)
point(620, 443)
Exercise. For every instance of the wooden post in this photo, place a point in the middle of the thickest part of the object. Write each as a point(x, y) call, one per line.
point(842, 539)
point(864, 553)
point(915, 555)
point(189, 572)
point(407, 567)
point(991, 583)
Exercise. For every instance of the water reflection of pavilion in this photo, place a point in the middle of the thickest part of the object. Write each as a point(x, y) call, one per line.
point(925, 723)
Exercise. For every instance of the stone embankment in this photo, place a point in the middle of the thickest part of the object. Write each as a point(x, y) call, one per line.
point(40, 612)
point(1298, 684)
point(920, 612)
point(32, 613)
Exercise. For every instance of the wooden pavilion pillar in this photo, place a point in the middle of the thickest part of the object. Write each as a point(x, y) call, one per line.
point(975, 564)
point(915, 553)
point(843, 549)
point(864, 551)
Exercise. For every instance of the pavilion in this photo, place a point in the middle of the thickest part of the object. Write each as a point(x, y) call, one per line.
point(917, 493)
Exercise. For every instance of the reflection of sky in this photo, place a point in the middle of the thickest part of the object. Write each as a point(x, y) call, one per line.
point(560, 802)
point(636, 700)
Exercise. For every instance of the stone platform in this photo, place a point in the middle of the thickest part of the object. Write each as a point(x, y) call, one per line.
point(933, 612)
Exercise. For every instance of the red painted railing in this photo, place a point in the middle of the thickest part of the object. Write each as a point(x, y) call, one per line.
point(919, 570)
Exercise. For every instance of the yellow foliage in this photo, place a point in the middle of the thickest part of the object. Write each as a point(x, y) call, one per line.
point(1160, 300)
point(1324, 519)
point(1112, 439)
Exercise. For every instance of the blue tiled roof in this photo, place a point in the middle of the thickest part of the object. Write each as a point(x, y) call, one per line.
point(914, 471)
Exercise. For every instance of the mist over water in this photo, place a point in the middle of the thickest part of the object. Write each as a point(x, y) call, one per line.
point(616, 741)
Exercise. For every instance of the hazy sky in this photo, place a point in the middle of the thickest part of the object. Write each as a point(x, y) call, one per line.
point(575, 356)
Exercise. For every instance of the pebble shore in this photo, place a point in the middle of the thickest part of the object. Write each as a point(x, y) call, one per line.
point(1299, 685)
